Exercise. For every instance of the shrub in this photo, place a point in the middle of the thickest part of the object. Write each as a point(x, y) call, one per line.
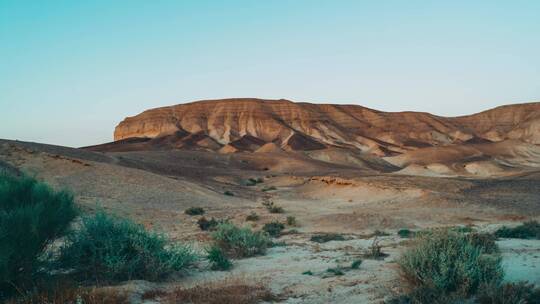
point(252, 217)
point(205, 224)
point(218, 259)
point(271, 188)
point(274, 228)
point(114, 249)
point(528, 230)
point(485, 241)
point(327, 237)
point(405, 233)
point(335, 271)
point(309, 272)
point(254, 181)
point(510, 293)
point(356, 264)
point(380, 233)
point(273, 208)
point(375, 251)
point(194, 211)
point(291, 221)
point(240, 242)
point(229, 193)
point(444, 264)
point(32, 216)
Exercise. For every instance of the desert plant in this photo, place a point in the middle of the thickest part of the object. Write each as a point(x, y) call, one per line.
point(405, 233)
point(509, 293)
point(291, 221)
point(32, 216)
point(113, 249)
point(308, 272)
point(228, 193)
point(252, 217)
point(271, 188)
point(356, 264)
point(444, 264)
point(375, 251)
point(327, 237)
point(194, 211)
point(335, 271)
point(218, 259)
point(272, 208)
point(240, 242)
point(274, 228)
point(528, 230)
point(205, 224)
point(486, 241)
point(254, 181)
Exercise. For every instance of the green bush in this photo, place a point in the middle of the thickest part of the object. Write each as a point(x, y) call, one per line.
point(486, 241)
point(274, 228)
point(327, 237)
point(405, 233)
point(228, 193)
point(218, 259)
point(194, 211)
point(528, 230)
point(32, 216)
point(107, 248)
point(240, 242)
point(446, 263)
point(356, 264)
point(271, 188)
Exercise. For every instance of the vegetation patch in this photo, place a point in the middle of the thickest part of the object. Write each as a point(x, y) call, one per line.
point(271, 188)
point(327, 237)
point(272, 208)
point(528, 230)
point(194, 211)
point(252, 217)
point(32, 216)
point(291, 221)
point(228, 193)
point(309, 272)
point(218, 259)
point(63, 293)
point(274, 228)
point(405, 233)
point(356, 264)
point(254, 181)
point(375, 251)
point(337, 271)
point(107, 248)
point(240, 242)
point(232, 291)
point(510, 293)
point(445, 265)
point(205, 224)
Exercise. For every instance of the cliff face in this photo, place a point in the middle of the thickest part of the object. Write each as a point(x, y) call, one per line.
point(248, 124)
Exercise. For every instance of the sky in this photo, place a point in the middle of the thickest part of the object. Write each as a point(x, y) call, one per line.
point(70, 71)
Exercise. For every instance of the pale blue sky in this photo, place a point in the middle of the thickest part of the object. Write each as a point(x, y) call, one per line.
point(71, 70)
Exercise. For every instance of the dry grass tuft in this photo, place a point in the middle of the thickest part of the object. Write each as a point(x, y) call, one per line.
point(72, 295)
point(229, 291)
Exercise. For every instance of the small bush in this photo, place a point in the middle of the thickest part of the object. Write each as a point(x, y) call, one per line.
point(405, 233)
point(273, 208)
point(271, 188)
point(463, 229)
point(228, 193)
point(485, 241)
point(444, 264)
point(327, 237)
point(218, 259)
point(375, 251)
point(356, 264)
point(205, 224)
point(380, 233)
point(32, 216)
point(335, 271)
point(291, 221)
point(240, 242)
point(253, 217)
point(254, 181)
point(107, 248)
point(510, 293)
point(528, 230)
point(309, 272)
point(273, 229)
point(194, 211)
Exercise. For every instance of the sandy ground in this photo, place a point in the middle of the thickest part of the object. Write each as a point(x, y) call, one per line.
point(154, 188)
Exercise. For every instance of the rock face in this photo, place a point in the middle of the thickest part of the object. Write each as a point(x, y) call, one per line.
point(247, 124)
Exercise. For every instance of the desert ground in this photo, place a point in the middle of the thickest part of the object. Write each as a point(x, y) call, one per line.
point(365, 200)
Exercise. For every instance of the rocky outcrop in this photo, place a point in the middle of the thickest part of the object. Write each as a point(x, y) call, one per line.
point(247, 124)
